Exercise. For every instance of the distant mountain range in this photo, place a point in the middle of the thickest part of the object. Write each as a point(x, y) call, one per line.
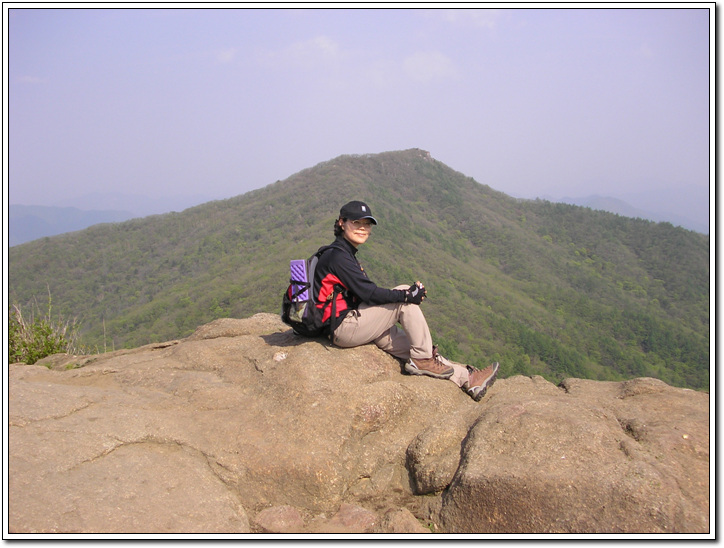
point(620, 207)
point(544, 288)
point(29, 223)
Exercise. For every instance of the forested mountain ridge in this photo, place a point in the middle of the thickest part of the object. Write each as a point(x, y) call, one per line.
point(544, 288)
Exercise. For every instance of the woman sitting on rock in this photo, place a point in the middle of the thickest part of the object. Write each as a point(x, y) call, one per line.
point(367, 313)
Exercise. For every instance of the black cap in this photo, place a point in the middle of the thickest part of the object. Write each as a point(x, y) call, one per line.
point(356, 210)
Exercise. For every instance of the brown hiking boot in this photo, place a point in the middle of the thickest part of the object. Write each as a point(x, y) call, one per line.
point(432, 367)
point(480, 381)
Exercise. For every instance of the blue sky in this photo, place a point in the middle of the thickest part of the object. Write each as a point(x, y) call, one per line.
point(217, 102)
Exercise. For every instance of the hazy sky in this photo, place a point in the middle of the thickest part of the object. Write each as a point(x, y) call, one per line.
point(533, 102)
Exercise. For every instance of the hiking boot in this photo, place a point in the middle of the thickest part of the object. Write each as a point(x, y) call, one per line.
point(480, 380)
point(442, 359)
point(432, 367)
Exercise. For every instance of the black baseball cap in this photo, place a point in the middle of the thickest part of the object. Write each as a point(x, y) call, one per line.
point(356, 210)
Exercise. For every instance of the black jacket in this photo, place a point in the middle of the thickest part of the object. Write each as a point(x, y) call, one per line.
point(339, 265)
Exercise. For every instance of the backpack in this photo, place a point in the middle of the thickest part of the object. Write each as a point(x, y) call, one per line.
point(299, 305)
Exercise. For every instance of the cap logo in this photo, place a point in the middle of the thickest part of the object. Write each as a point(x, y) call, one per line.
point(364, 208)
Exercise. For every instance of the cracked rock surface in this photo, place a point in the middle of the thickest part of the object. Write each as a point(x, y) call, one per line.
point(245, 428)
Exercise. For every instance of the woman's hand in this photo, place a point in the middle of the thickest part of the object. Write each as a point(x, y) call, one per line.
point(416, 293)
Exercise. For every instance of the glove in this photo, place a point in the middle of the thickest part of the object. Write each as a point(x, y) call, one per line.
point(415, 294)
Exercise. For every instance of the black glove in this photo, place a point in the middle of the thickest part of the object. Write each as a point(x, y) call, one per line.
point(415, 294)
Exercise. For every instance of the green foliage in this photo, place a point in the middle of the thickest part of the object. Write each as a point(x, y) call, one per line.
point(545, 289)
point(35, 337)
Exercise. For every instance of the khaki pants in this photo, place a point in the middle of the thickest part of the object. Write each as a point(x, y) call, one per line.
point(378, 324)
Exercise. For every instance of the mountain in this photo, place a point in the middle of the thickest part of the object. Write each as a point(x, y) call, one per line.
point(30, 222)
point(621, 207)
point(27, 223)
point(544, 288)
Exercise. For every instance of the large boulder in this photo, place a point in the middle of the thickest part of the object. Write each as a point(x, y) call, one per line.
point(245, 427)
point(588, 457)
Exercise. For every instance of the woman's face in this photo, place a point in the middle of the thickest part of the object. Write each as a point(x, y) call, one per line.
point(356, 232)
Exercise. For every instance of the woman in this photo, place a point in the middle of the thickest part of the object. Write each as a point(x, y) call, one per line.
point(368, 313)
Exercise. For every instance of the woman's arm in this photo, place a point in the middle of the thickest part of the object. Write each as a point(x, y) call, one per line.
point(350, 273)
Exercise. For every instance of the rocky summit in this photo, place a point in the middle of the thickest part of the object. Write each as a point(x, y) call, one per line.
point(244, 427)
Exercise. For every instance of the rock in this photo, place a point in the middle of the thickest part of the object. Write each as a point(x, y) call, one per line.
point(351, 519)
point(280, 519)
point(144, 487)
point(592, 457)
point(229, 327)
point(245, 427)
point(434, 455)
point(400, 521)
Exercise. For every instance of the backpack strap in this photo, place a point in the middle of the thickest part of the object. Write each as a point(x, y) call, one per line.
point(303, 286)
point(333, 319)
point(337, 290)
